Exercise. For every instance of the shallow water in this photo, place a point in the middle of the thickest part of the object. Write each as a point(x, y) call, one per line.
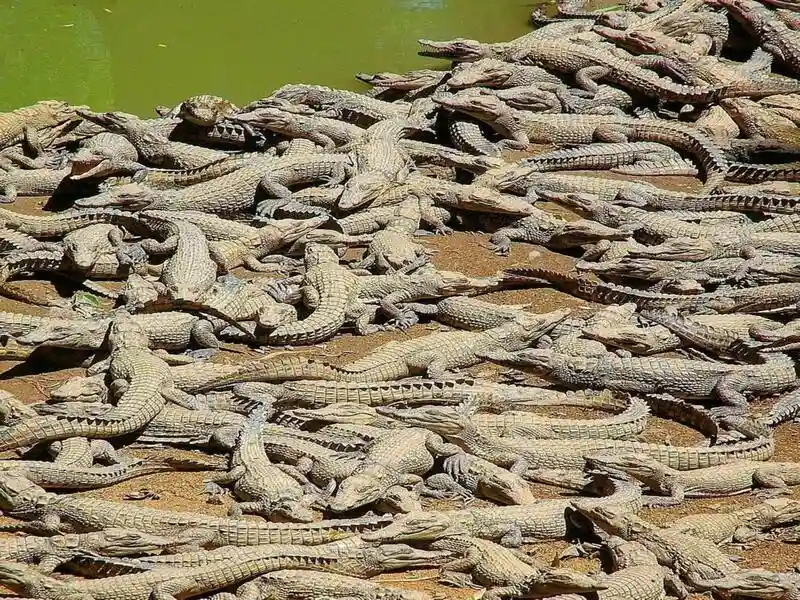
point(132, 55)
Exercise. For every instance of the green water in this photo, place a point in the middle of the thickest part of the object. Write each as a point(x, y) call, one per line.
point(132, 55)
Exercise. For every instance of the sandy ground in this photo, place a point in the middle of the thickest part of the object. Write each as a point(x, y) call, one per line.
point(459, 252)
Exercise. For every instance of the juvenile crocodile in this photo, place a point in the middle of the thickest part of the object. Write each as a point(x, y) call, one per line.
point(684, 378)
point(149, 384)
point(774, 35)
point(226, 571)
point(189, 271)
point(519, 453)
point(30, 182)
point(510, 526)
point(24, 123)
point(438, 353)
point(153, 146)
point(379, 161)
point(398, 458)
point(331, 290)
point(748, 300)
point(290, 584)
point(264, 488)
point(696, 560)
point(470, 476)
point(526, 128)
point(508, 573)
point(26, 500)
point(739, 526)
point(729, 479)
point(48, 553)
point(56, 476)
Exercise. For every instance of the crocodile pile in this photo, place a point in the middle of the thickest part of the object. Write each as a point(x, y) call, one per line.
point(204, 256)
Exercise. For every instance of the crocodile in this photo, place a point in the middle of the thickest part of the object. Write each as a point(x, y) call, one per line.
point(328, 133)
point(236, 567)
point(684, 378)
point(630, 158)
point(520, 453)
point(30, 182)
point(48, 553)
point(422, 391)
point(592, 63)
point(145, 382)
point(764, 298)
point(393, 249)
point(525, 128)
point(547, 230)
point(189, 271)
point(291, 584)
point(24, 123)
point(508, 573)
point(26, 500)
point(510, 526)
point(696, 560)
point(264, 488)
point(774, 35)
point(385, 466)
point(55, 476)
point(62, 223)
point(739, 526)
point(154, 147)
point(724, 480)
point(438, 353)
point(469, 477)
point(379, 161)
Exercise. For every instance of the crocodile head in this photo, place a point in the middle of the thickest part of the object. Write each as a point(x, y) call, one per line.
point(83, 334)
point(129, 542)
point(754, 583)
point(640, 466)
point(268, 117)
point(451, 283)
point(286, 231)
point(445, 420)
point(487, 72)
point(357, 490)
point(785, 511)
point(522, 332)
point(130, 196)
point(553, 582)
point(484, 199)
point(629, 337)
point(125, 332)
point(684, 249)
point(416, 527)
point(85, 246)
point(80, 389)
point(393, 557)
point(505, 487)
point(483, 106)
point(536, 360)
point(206, 110)
point(461, 49)
point(28, 581)
point(116, 122)
point(275, 315)
point(612, 520)
point(319, 254)
point(362, 188)
point(18, 494)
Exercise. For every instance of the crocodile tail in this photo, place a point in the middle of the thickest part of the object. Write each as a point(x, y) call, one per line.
point(197, 462)
point(757, 90)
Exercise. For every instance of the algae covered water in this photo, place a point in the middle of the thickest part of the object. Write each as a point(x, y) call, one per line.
point(132, 55)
